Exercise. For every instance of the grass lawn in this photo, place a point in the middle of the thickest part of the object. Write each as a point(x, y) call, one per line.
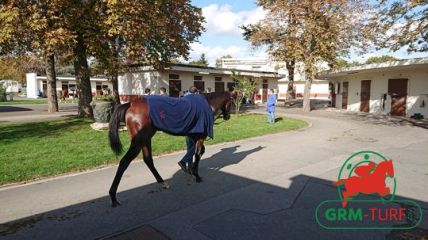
point(34, 101)
point(33, 150)
point(25, 101)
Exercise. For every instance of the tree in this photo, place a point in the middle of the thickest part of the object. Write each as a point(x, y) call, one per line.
point(244, 87)
point(218, 63)
point(401, 23)
point(381, 59)
point(202, 61)
point(342, 63)
point(38, 27)
point(148, 32)
point(308, 31)
point(16, 67)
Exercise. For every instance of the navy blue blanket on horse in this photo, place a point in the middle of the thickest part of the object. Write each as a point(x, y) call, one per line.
point(181, 116)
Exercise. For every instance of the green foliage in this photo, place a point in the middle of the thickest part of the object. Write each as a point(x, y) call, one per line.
point(218, 61)
point(202, 61)
point(381, 59)
point(34, 150)
point(342, 63)
point(400, 23)
point(3, 97)
point(104, 97)
point(244, 87)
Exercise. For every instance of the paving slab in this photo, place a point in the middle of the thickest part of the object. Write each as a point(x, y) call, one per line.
point(261, 188)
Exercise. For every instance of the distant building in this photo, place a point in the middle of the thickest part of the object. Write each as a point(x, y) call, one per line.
point(177, 78)
point(397, 88)
point(319, 89)
point(37, 86)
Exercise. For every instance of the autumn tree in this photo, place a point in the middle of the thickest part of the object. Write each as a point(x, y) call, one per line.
point(401, 23)
point(308, 31)
point(16, 67)
point(38, 27)
point(145, 32)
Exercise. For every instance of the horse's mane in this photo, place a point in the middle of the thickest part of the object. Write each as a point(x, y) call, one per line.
point(213, 95)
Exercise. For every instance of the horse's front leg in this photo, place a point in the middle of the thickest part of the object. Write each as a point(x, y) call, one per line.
point(148, 159)
point(199, 150)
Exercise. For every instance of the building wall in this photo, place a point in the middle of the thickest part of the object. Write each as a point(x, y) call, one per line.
point(131, 84)
point(417, 90)
point(35, 84)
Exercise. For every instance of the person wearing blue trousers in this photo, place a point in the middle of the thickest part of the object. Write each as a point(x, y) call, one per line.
point(186, 162)
point(270, 107)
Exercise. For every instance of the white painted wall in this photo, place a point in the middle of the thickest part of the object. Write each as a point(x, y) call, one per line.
point(417, 90)
point(32, 86)
point(136, 83)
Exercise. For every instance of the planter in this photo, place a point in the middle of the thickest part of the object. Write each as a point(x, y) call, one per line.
point(102, 110)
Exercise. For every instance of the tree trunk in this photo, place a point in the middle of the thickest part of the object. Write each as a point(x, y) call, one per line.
point(307, 94)
point(51, 83)
point(114, 78)
point(290, 68)
point(83, 79)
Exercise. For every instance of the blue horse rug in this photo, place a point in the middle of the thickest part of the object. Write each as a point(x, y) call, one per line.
point(181, 116)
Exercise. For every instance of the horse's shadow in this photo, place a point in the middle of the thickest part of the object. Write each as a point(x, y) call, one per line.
point(210, 166)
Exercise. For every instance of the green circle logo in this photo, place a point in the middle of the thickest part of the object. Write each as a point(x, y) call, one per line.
point(366, 172)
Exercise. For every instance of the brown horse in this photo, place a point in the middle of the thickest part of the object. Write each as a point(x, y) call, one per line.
point(141, 130)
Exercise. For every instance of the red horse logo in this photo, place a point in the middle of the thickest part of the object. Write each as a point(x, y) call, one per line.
point(370, 179)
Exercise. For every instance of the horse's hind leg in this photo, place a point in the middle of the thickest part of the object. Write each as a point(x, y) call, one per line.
point(148, 159)
point(132, 153)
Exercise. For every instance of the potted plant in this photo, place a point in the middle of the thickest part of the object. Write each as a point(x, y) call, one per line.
point(102, 106)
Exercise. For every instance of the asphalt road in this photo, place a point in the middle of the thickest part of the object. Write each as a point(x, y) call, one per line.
point(266, 187)
point(34, 112)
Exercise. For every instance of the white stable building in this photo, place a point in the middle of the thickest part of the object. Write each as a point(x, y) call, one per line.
point(319, 89)
point(37, 85)
point(177, 78)
point(397, 88)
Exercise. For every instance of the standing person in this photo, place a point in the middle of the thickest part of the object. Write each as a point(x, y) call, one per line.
point(186, 162)
point(270, 106)
point(162, 91)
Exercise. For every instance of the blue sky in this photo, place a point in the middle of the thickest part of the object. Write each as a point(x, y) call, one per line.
point(223, 36)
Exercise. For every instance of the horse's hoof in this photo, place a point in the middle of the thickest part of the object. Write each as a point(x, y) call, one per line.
point(198, 179)
point(166, 186)
point(115, 203)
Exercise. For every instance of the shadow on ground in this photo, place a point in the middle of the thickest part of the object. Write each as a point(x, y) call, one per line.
point(380, 119)
point(224, 206)
point(14, 109)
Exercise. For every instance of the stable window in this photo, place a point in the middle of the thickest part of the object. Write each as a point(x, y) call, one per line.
point(197, 78)
point(218, 79)
point(174, 76)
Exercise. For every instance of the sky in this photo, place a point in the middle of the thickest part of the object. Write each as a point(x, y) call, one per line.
point(223, 36)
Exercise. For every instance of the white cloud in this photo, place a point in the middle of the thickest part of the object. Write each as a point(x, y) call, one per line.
point(213, 53)
point(221, 20)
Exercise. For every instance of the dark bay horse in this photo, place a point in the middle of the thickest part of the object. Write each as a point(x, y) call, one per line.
point(136, 115)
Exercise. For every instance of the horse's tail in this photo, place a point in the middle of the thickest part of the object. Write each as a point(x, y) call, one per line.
point(114, 124)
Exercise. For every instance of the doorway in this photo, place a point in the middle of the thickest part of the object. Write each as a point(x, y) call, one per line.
point(397, 89)
point(365, 96)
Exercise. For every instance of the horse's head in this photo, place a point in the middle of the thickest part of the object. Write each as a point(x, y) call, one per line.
point(225, 109)
point(221, 101)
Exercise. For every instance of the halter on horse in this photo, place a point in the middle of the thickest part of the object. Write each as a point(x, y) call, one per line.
point(136, 115)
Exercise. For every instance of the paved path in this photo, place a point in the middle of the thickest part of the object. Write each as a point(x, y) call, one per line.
point(261, 188)
point(34, 112)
